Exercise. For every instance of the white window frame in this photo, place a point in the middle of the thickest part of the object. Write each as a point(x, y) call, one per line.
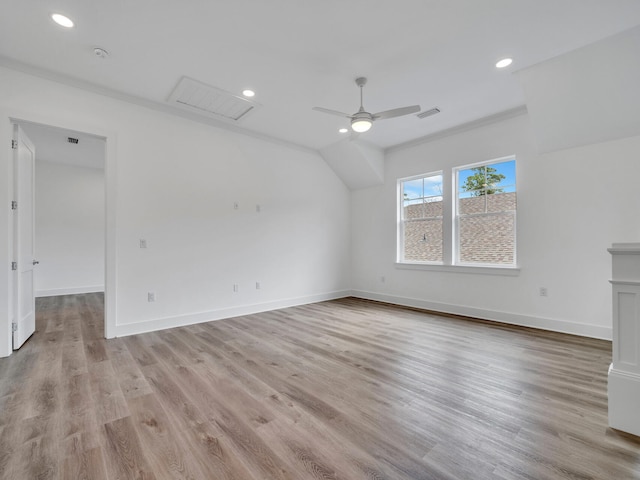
point(450, 231)
point(456, 214)
point(401, 220)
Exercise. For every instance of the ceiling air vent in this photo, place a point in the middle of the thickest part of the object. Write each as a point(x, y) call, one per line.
point(72, 140)
point(428, 113)
point(203, 99)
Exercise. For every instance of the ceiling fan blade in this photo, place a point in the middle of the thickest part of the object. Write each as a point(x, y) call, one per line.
point(396, 112)
point(332, 112)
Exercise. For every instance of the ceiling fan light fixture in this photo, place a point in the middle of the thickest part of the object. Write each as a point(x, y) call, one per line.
point(361, 122)
point(360, 125)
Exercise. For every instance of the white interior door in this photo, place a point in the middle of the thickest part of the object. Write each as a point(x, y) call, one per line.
point(24, 245)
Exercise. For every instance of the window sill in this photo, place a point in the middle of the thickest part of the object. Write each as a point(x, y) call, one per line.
point(480, 269)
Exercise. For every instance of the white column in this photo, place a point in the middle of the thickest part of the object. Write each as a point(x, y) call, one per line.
point(624, 372)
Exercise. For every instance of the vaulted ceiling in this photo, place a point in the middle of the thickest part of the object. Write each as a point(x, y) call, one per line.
point(297, 54)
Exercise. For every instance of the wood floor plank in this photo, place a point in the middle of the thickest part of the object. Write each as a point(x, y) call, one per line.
point(299, 443)
point(79, 421)
point(251, 450)
point(74, 361)
point(44, 389)
point(124, 454)
point(347, 389)
point(160, 441)
point(177, 403)
point(363, 430)
point(140, 350)
point(132, 381)
point(38, 458)
point(202, 438)
point(107, 396)
point(314, 380)
point(95, 351)
point(87, 465)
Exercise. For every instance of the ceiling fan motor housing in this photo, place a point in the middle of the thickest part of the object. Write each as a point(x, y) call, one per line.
point(361, 116)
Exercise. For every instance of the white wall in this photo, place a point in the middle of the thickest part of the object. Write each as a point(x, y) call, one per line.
point(174, 182)
point(572, 204)
point(69, 227)
point(585, 96)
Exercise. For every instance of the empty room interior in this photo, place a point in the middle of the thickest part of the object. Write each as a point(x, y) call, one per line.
point(320, 240)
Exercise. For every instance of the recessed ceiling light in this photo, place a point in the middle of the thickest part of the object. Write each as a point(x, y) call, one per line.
point(248, 93)
point(62, 20)
point(343, 130)
point(505, 62)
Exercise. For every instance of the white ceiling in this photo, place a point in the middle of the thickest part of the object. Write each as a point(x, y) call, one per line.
point(52, 145)
point(298, 54)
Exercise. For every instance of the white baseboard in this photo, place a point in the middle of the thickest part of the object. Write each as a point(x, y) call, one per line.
point(54, 292)
point(563, 326)
point(124, 330)
point(624, 398)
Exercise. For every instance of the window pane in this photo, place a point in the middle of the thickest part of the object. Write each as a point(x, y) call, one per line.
point(503, 174)
point(470, 182)
point(487, 179)
point(469, 205)
point(423, 240)
point(422, 197)
point(433, 207)
point(412, 189)
point(501, 202)
point(496, 202)
point(422, 219)
point(413, 209)
point(487, 239)
point(433, 186)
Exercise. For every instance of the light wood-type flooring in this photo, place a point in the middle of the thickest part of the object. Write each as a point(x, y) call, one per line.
point(347, 389)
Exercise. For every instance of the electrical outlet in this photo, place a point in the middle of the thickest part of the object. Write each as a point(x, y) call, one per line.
point(257, 285)
point(151, 297)
point(543, 292)
point(143, 243)
point(235, 287)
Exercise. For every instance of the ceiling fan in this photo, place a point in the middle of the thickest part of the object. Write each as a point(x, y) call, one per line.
point(362, 120)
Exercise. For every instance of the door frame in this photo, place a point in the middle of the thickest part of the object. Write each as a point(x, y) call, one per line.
point(7, 119)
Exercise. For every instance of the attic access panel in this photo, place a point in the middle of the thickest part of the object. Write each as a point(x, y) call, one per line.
point(203, 99)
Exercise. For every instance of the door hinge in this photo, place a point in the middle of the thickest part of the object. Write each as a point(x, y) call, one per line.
point(14, 327)
point(14, 265)
point(14, 144)
point(14, 204)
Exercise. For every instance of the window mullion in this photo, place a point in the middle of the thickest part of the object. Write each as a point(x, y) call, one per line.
point(448, 214)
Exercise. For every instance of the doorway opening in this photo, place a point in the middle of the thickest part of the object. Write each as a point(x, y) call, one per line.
point(69, 214)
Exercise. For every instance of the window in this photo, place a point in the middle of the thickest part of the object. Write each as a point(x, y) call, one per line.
point(421, 219)
point(464, 217)
point(486, 213)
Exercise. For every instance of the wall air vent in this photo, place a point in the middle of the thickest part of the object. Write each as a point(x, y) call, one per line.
point(72, 140)
point(428, 113)
point(203, 99)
